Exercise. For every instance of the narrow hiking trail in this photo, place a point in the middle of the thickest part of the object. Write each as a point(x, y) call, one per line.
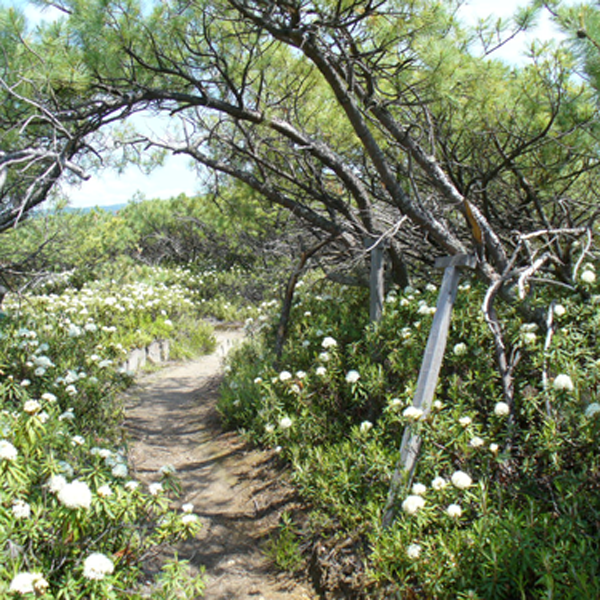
point(171, 419)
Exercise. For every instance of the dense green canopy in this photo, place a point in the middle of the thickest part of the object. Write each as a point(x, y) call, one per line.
point(364, 119)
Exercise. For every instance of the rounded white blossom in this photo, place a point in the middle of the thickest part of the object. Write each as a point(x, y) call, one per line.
point(77, 440)
point(321, 371)
point(56, 483)
point(465, 421)
point(76, 494)
point(258, 380)
point(21, 510)
point(438, 483)
point(460, 349)
point(529, 337)
point(300, 374)
point(413, 551)
point(352, 376)
point(285, 423)
point(559, 310)
point(425, 310)
point(189, 518)
point(588, 276)
point(437, 404)
point(188, 507)
point(324, 357)
point(476, 442)
point(96, 566)
point(284, 376)
point(412, 504)
point(494, 448)
point(418, 489)
point(132, 485)
point(461, 480)
point(120, 470)
point(366, 426)
point(454, 511)
point(68, 415)
point(412, 413)
point(31, 407)
point(329, 342)
point(74, 331)
point(28, 583)
point(42, 361)
point(501, 409)
point(592, 409)
point(104, 491)
point(563, 382)
point(155, 488)
point(71, 390)
point(7, 451)
point(167, 470)
point(48, 397)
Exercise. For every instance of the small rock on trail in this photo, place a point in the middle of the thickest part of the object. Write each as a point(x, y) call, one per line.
point(238, 493)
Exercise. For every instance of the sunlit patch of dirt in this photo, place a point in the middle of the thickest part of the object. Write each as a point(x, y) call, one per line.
point(239, 493)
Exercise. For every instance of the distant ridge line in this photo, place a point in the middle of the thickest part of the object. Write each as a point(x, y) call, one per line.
point(112, 208)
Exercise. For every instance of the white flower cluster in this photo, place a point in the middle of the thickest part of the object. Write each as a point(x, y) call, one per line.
point(79, 312)
point(115, 460)
point(21, 510)
point(76, 494)
point(329, 342)
point(412, 504)
point(412, 413)
point(28, 583)
point(415, 501)
point(7, 451)
point(285, 423)
point(97, 566)
point(563, 382)
point(352, 376)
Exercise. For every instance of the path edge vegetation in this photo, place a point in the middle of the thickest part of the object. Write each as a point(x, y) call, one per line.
point(424, 158)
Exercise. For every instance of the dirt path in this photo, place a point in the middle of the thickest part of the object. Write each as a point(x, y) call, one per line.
point(237, 492)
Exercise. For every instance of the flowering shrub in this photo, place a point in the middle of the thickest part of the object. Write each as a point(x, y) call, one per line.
point(504, 503)
point(73, 523)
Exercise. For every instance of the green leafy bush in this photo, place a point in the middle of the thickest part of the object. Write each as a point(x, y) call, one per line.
point(73, 524)
point(504, 502)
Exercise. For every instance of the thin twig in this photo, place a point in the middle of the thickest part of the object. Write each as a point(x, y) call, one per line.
point(548, 341)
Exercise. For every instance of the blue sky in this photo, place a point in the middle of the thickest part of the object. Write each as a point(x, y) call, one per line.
point(175, 177)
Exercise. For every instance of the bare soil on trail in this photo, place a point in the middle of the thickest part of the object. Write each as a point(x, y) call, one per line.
point(238, 493)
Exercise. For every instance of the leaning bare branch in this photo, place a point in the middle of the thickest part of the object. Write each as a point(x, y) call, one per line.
point(584, 253)
point(387, 235)
point(564, 231)
point(547, 343)
point(527, 273)
point(505, 366)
